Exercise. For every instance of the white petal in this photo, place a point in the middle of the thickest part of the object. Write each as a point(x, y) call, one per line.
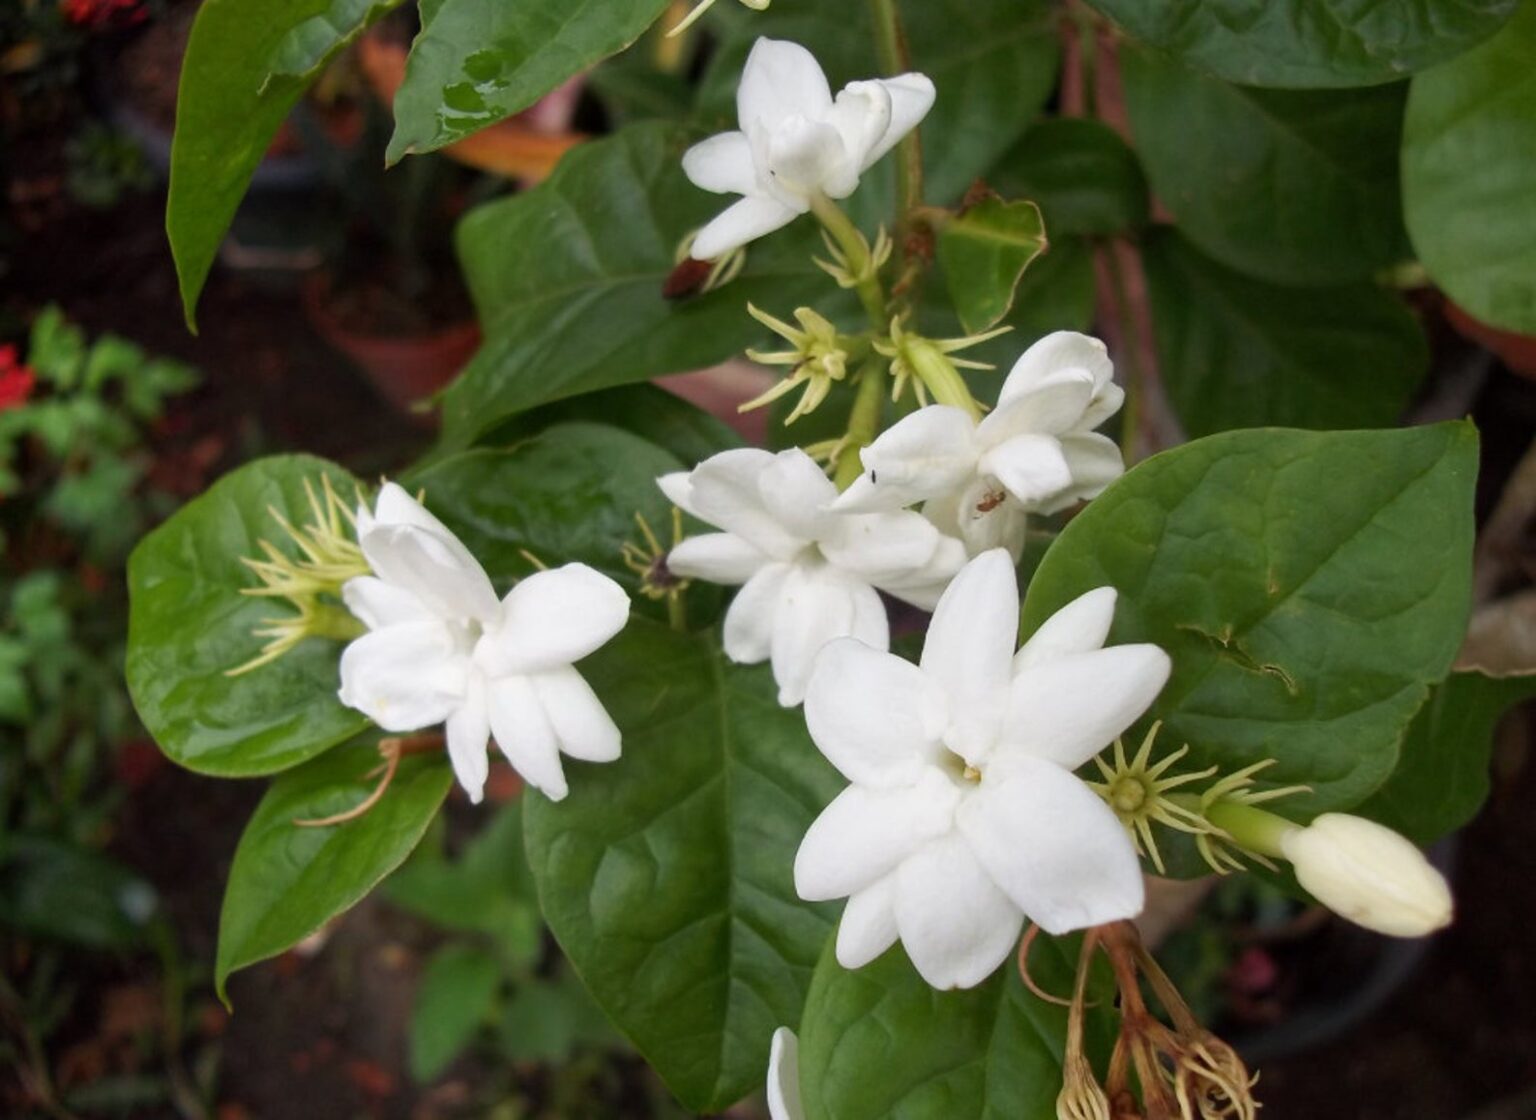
point(1050, 407)
point(551, 619)
point(983, 516)
point(804, 156)
point(868, 927)
point(923, 587)
point(717, 557)
point(780, 79)
point(583, 728)
point(377, 604)
point(956, 923)
point(817, 604)
point(1107, 399)
point(404, 677)
point(865, 832)
point(678, 487)
point(862, 116)
point(524, 734)
point(1053, 845)
point(1031, 467)
point(925, 455)
point(725, 491)
point(722, 164)
point(784, 1077)
point(436, 568)
point(1095, 462)
point(1068, 709)
point(969, 650)
point(742, 221)
point(468, 734)
point(395, 506)
point(911, 97)
point(748, 631)
point(1061, 350)
point(882, 548)
point(1081, 626)
point(796, 492)
point(877, 718)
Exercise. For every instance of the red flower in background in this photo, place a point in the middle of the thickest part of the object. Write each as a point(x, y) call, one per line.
point(16, 380)
point(100, 14)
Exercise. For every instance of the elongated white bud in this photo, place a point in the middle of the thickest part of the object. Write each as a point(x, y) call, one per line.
point(1369, 874)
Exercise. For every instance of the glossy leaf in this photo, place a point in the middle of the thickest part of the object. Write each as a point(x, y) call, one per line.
point(1469, 182)
point(994, 63)
point(479, 61)
point(878, 1042)
point(288, 880)
point(984, 250)
point(1309, 586)
point(1310, 44)
point(1441, 778)
point(247, 63)
point(1081, 173)
point(458, 990)
point(189, 623)
point(1237, 352)
point(653, 414)
point(1296, 187)
point(667, 876)
point(569, 493)
point(568, 278)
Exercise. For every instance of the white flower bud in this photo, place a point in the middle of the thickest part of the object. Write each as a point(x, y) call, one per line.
point(1369, 874)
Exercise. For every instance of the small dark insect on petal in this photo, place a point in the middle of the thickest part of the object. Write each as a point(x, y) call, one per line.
point(686, 279)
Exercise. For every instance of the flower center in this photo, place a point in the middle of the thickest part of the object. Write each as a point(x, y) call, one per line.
point(1128, 794)
point(960, 771)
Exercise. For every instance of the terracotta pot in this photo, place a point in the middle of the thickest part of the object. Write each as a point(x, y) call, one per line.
point(405, 369)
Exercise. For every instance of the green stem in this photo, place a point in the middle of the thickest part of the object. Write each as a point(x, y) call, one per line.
point(891, 46)
point(335, 623)
point(1253, 829)
point(677, 613)
point(856, 249)
point(863, 422)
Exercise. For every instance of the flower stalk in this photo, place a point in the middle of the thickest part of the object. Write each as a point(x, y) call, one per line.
point(859, 263)
point(863, 422)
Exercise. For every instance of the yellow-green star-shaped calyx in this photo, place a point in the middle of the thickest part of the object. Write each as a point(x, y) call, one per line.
point(818, 358)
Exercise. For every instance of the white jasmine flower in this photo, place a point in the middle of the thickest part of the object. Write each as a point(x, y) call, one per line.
point(1035, 453)
point(795, 142)
point(1369, 874)
point(808, 575)
point(964, 815)
point(442, 649)
point(784, 1077)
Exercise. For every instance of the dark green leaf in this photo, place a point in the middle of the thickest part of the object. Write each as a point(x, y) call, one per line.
point(246, 65)
point(1305, 44)
point(189, 624)
point(653, 414)
point(458, 990)
point(1085, 179)
point(58, 891)
point(1236, 352)
point(879, 1044)
point(1297, 187)
point(1441, 778)
point(288, 880)
point(568, 281)
point(667, 876)
point(1469, 180)
point(984, 250)
point(479, 61)
point(569, 493)
point(546, 1020)
point(1309, 586)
